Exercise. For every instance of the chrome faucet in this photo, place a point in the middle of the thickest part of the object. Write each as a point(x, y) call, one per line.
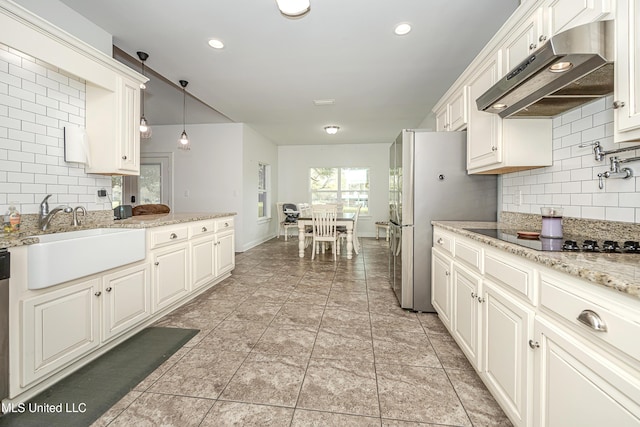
point(75, 221)
point(44, 219)
point(615, 171)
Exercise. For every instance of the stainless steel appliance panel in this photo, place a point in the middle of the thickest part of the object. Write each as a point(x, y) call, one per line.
point(436, 187)
point(4, 322)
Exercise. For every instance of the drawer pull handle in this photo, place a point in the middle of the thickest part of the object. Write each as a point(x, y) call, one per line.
point(534, 344)
point(173, 236)
point(204, 229)
point(592, 320)
point(440, 241)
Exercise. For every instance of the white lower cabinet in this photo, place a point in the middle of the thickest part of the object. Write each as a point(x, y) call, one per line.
point(170, 275)
point(507, 366)
point(519, 324)
point(578, 384)
point(59, 327)
point(126, 299)
point(225, 252)
point(441, 287)
point(203, 268)
point(465, 324)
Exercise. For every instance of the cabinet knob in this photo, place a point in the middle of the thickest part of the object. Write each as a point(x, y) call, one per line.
point(542, 38)
point(98, 293)
point(534, 344)
point(592, 320)
point(481, 300)
point(532, 46)
point(473, 295)
point(618, 104)
point(124, 157)
point(108, 289)
point(173, 236)
point(446, 273)
point(226, 224)
point(440, 241)
point(494, 148)
point(204, 229)
point(156, 263)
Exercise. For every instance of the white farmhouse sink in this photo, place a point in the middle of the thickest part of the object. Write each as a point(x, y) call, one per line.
point(60, 257)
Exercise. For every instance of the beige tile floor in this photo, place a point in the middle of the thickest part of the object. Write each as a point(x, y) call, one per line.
point(293, 342)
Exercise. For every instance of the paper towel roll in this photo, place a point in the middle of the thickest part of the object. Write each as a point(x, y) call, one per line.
point(76, 145)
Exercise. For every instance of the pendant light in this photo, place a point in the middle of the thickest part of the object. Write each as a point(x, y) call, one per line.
point(183, 142)
point(145, 128)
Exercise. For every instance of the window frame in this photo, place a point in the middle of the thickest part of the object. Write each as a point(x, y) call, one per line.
point(266, 191)
point(339, 191)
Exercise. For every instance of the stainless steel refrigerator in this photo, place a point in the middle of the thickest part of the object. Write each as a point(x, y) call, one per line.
point(428, 181)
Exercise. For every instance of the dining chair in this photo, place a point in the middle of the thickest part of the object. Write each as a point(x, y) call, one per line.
point(323, 218)
point(342, 234)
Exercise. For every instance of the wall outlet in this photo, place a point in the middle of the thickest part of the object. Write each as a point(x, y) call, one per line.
point(102, 193)
point(186, 193)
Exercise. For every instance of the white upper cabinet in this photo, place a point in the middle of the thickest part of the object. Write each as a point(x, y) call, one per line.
point(524, 40)
point(452, 116)
point(627, 69)
point(560, 15)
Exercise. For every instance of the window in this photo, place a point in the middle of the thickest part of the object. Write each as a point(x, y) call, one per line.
point(346, 186)
point(264, 183)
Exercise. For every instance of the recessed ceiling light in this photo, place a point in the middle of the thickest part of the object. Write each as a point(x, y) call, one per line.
point(331, 130)
point(322, 102)
point(216, 44)
point(293, 8)
point(402, 29)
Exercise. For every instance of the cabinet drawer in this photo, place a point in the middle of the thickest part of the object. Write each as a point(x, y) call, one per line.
point(224, 224)
point(202, 228)
point(443, 241)
point(622, 323)
point(166, 236)
point(509, 272)
point(472, 255)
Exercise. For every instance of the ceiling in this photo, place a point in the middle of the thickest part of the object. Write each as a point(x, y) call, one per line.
point(272, 67)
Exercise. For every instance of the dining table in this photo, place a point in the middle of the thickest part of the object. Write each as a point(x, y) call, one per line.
point(345, 220)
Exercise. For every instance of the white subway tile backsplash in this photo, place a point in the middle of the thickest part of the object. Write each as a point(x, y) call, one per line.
point(572, 181)
point(36, 102)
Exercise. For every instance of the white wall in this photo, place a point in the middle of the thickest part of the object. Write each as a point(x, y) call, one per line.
point(37, 101)
point(572, 181)
point(257, 149)
point(219, 173)
point(295, 162)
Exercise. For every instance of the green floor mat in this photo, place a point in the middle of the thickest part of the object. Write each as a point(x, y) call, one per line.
point(82, 397)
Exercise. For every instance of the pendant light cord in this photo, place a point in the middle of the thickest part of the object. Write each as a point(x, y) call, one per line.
point(184, 107)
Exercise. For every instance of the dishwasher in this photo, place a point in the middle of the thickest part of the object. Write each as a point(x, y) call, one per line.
point(4, 322)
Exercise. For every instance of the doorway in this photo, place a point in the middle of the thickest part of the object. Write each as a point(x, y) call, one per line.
point(153, 185)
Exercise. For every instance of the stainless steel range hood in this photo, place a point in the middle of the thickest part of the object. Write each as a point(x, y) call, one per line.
point(572, 68)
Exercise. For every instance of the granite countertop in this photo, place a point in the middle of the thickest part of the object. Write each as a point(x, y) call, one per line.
point(620, 272)
point(141, 221)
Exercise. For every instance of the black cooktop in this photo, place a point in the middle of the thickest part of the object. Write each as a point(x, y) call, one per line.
point(567, 243)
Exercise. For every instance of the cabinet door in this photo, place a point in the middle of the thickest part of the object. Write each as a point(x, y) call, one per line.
point(561, 15)
point(126, 301)
point(523, 41)
point(507, 357)
point(170, 275)
point(225, 253)
point(458, 110)
point(58, 328)
point(441, 267)
point(484, 132)
point(627, 70)
point(579, 385)
point(129, 117)
point(465, 325)
point(442, 119)
point(202, 261)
